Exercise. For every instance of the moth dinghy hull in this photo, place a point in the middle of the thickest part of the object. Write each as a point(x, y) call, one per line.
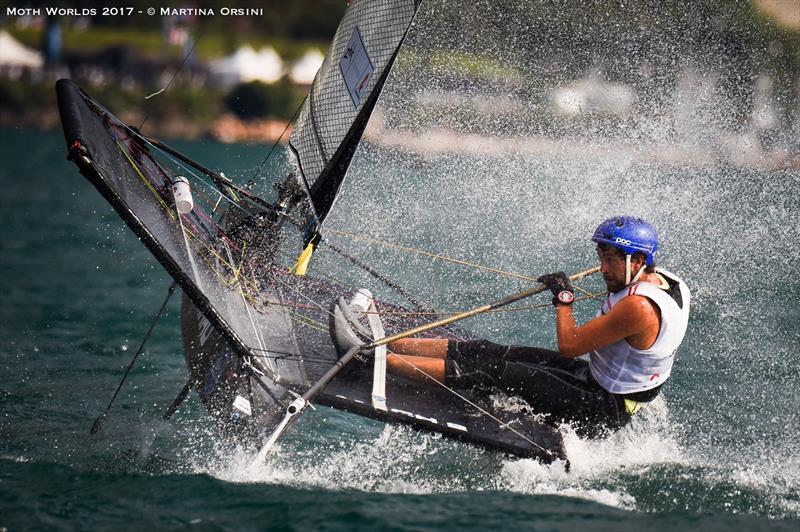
point(220, 378)
point(256, 336)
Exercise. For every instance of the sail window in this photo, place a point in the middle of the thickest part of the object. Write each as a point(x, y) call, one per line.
point(356, 67)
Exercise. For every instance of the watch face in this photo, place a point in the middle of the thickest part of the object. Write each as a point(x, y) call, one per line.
point(565, 296)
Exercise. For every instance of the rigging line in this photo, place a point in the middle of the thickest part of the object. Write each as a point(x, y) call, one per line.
point(259, 338)
point(190, 255)
point(336, 281)
point(206, 246)
point(99, 421)
point(147, 182)
point(315, 303)
point(198, 192)
point(501, 423)
point(400, 290)
point(168, 210)
point(355, 261)
point(253, 374)
point(291, 258)
point(276, 354)
point(307, 321)
point(590, 295)
point(135, 134)
point(434, 256)
point(187, 231)
point(194, 174)
point(174, 75)
point(234, 269)
point(317, 358)
point(252, 397)
point(332, 246)
point(288, 124)
point(224, 186)
point(211, 251)
point(300, 293)
point(221, 275)
point(222, 235)
point(438, 257)
point(273, 375)
point(287, 355)
point(294, 357)
point(369, 270)
point(311, 322)
point(228, 283)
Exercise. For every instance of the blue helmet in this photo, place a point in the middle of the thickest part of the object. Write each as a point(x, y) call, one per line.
point(630, 234)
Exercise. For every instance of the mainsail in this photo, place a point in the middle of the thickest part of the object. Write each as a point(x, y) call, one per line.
point(206, 262)
point(343, 96)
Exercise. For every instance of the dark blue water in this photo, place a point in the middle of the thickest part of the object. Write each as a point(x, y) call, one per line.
point(718, 451)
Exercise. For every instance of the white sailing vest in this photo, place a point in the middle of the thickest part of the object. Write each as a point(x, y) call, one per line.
point(620, 368)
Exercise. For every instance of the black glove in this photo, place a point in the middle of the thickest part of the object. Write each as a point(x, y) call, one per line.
point(558, 283)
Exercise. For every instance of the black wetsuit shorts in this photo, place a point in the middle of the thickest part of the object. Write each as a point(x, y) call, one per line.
point(562, 388)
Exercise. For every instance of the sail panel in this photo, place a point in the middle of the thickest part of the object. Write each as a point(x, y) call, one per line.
point(344, 92)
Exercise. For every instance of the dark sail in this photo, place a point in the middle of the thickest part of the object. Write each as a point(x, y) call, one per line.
point(344, 93)
point(204, 261)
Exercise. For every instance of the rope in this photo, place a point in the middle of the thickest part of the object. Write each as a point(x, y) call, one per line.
point(288, 124)
point(434, 256)
point(174, 75)
point(99, 420)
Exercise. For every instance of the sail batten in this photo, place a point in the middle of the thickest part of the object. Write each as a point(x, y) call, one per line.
point(344, 93)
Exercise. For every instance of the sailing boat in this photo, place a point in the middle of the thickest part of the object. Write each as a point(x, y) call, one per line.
point(256, 336)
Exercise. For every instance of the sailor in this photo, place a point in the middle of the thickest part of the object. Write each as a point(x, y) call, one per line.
point(631, 344)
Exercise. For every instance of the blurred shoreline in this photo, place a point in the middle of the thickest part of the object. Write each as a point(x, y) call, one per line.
point(226, 129)
point(741, 150)
point(692, 96)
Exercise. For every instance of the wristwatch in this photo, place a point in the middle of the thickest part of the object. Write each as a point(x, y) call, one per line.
point(565, 297)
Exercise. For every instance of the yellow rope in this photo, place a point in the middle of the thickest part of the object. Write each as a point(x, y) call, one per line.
point(146, 181)
point(186, 230)
point(434, 256)
point(308, 322)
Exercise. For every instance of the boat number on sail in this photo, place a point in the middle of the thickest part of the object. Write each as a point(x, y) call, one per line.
point(205, 327)
point(356, 67)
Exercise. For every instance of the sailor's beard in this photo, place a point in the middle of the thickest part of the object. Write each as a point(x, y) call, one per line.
point(613, 285)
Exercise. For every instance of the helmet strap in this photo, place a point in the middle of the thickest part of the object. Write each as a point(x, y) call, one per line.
point(628, 279)
point(627, 269)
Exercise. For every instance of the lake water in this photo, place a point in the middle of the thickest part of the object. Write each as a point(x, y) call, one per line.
point(719, 450)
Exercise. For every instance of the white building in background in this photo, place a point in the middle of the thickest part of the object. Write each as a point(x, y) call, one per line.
point(303, 71)
point(15, 56)
point(246, 65)
point(593, 94)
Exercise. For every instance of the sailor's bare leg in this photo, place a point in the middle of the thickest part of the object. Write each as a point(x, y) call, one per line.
point(413, 367)
point(420, 347)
